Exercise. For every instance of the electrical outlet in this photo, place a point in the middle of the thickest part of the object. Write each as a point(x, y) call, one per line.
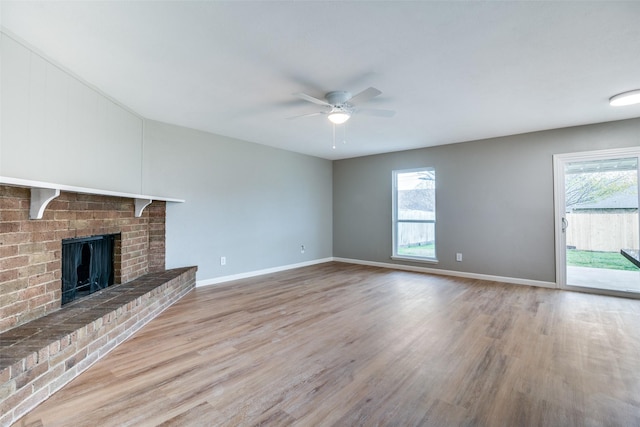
point(223, 260)
point(301, 249)
point(459, 257)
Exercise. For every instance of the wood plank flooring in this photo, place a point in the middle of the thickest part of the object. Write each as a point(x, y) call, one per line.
point(346, 345)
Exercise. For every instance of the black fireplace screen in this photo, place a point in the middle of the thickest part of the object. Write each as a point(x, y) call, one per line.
point(87, 266)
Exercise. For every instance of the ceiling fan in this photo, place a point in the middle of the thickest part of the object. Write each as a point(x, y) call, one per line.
point(341, 105)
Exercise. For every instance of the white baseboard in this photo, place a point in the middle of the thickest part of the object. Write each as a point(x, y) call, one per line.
point(222, 279)
point(511, 280)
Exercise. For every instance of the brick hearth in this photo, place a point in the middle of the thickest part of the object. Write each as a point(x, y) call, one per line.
point(41, 356)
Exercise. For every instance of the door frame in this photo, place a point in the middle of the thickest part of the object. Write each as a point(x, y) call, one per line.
point(559, 162)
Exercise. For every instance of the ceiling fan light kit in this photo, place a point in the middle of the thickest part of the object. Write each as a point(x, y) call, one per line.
point(342, 105)
point(339, 117)
point(626, 98)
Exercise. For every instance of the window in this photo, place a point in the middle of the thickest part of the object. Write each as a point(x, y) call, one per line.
point(414, 214)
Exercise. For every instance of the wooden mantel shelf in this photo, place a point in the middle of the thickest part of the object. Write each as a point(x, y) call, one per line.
point(44, 192)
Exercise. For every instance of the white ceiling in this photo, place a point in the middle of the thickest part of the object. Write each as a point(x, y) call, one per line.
point(453, 71)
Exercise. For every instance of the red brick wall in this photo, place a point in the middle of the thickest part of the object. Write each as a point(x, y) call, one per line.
point(30, 250)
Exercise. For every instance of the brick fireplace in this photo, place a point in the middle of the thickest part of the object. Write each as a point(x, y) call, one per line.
point(43, 345)
point(30, 250)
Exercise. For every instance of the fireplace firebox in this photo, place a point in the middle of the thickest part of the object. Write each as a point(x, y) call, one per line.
point(87, 266)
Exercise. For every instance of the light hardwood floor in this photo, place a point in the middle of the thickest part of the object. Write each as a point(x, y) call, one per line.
point(345, 345)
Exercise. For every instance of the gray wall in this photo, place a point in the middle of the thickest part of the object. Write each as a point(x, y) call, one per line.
point(253, 204)
point(494, 199)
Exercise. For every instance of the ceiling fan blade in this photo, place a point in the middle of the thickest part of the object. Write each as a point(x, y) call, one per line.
point(364, 96)
point(318, 113)
point(375, 112)
point(312, 99)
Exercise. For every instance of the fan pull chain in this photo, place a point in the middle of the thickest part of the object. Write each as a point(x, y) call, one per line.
point(344, 133)
point(334, 136)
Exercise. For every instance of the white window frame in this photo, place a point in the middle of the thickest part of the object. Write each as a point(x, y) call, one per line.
point(395, 220)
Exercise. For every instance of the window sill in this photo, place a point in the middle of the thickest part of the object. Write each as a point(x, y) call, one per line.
point(415, 259)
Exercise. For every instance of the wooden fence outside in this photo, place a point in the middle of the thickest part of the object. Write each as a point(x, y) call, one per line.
point(606, 232)
point(410, 234)
point(413, 234)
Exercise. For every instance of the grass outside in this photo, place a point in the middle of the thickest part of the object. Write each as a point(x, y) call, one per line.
point(592, 259)
point(427, 250)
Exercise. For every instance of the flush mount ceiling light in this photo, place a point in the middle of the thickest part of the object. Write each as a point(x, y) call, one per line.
point(626, 98)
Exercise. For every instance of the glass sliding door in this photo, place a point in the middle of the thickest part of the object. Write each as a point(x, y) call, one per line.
point(599, 221)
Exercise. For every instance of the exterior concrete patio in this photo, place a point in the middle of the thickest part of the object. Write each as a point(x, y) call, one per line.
point(602, 278)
